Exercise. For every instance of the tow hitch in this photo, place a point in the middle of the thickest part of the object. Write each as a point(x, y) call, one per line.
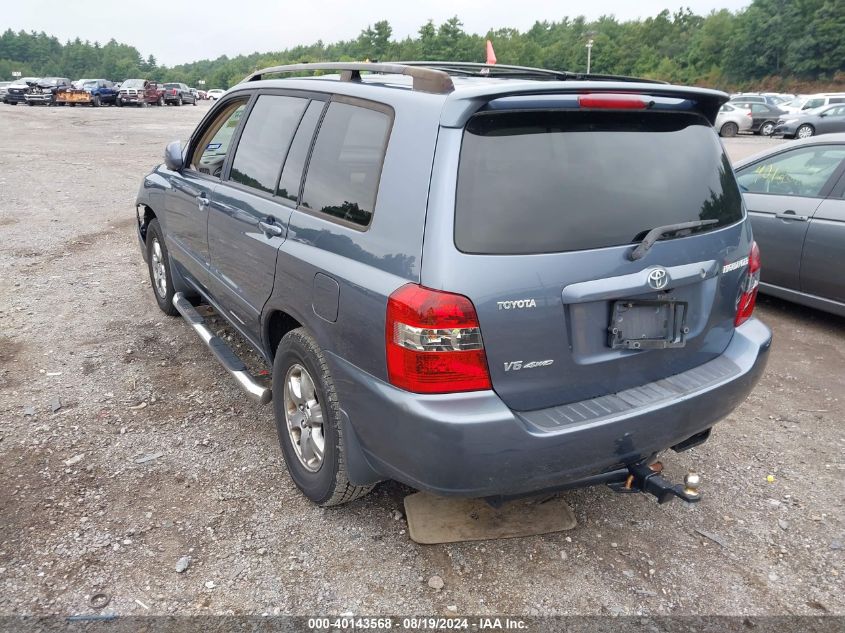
point(643, 478)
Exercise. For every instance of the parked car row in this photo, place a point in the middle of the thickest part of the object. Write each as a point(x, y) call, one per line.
point(98, 92)
point(767, 114)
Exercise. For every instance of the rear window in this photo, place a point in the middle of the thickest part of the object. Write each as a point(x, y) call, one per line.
point(554, 181)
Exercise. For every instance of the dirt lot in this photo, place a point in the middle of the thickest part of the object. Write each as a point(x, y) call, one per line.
point(153, 454)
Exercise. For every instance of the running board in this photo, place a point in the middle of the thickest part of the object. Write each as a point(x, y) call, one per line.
point(223, 352)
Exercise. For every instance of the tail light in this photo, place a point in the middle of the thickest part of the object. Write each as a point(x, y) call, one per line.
point(750, 284)
point(434, 342)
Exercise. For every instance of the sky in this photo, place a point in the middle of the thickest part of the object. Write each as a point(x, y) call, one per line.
point(183, 31)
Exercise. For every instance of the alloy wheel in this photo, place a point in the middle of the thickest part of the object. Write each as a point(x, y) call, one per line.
point(159, 271)
point(304, 418)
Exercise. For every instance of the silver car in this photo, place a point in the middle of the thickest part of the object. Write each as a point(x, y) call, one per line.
point(732, 120)
point(822, 120)
point(795, 195)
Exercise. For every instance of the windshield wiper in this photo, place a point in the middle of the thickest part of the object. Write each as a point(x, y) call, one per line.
point(656, 233)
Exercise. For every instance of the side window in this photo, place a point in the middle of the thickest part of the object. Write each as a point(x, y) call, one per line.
point(211, 149)
point(800, 172)
point(265, 141)
point(759, 108)
point(298, 153)
point(345, 166)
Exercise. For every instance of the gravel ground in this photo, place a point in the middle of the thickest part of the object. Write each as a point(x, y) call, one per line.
point(124, 448)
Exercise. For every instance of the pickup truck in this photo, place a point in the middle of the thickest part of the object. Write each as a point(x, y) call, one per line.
point(140, 92)
point(45, 90)
point(177, 94)
point(94, 92)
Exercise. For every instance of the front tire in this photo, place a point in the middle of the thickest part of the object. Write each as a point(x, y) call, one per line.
point(768, 128)
point(729, 129)
point(96, 101)
point(308, 422)
point(179, 101)
point(158, 263)
point(160, 101)
point(805, 131)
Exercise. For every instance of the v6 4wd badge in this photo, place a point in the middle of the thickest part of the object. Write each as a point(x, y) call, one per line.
point(516, 365)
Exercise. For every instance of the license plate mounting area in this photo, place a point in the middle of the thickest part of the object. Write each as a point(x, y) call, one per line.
point(640, 324)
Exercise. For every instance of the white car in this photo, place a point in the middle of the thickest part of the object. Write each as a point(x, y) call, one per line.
point(215, 93)
point(802, 103)
point(732, 120)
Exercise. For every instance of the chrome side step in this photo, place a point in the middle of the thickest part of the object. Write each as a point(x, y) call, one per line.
point(223, 352)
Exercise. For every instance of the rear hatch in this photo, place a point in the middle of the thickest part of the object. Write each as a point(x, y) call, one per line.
point(550, 203)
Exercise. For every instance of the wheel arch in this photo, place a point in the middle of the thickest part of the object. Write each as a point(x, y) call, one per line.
point(278, 321)
point(146, 214)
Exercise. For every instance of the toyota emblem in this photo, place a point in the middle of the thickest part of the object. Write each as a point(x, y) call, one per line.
point(658, 279)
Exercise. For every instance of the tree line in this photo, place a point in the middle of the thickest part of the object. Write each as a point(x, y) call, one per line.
point(776, 44)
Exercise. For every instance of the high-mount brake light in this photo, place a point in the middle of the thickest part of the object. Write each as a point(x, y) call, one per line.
point(434, 342)
point(612, 101)
point(750, 285)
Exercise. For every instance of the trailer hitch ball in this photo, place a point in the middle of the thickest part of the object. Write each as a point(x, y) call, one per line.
point(692, 482)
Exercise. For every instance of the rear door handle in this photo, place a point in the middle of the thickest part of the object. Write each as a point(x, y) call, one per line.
point(791, 215)
point(202, 201)
point(270, 228)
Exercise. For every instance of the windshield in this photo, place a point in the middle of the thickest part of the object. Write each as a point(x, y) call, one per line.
point(49, 81)
point(89, 84)
point(553, 181)
point(133, 83)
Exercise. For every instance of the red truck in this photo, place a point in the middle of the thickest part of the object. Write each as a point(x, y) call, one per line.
point(140, 92)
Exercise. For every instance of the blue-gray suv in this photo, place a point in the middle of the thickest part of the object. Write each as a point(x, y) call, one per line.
point(477, 280)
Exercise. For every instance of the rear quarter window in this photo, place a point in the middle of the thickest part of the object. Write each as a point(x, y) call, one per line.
point(345, 166)
point(554, 181)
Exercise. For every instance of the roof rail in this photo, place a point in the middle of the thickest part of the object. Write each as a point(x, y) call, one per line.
point(473, 69)
point(424, 79)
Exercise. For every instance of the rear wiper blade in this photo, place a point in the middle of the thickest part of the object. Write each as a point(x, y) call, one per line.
point(656, 233)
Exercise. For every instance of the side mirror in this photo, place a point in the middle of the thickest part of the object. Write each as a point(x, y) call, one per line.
point(822, 114)
point(173, 156)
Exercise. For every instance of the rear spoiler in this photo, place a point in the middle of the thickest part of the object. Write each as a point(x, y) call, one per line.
point(461, 105)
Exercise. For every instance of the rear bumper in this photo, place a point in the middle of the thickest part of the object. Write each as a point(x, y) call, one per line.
point(471, 444)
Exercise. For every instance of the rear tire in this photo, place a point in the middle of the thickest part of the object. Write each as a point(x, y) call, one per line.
point(158, 264)
point(805, 131)
point(118, 103)
point(160, 101)
point(179, 101)
point(308, 421)
point(729, 129)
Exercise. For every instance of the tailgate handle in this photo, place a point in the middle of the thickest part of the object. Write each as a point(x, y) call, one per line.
point(791, 215)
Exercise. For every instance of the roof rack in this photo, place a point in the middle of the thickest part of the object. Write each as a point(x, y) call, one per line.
point(425, 79)
point(473, 69)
